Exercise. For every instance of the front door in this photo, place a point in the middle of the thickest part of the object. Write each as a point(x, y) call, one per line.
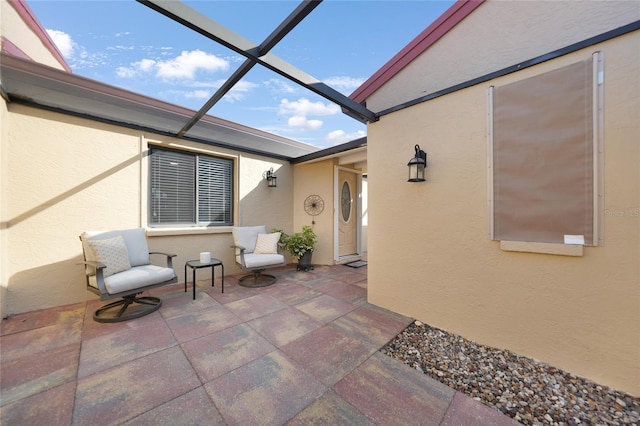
point(347, 213)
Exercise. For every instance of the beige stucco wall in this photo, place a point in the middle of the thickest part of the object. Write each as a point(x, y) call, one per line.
point(316, 178)
point(578, 313)
point(13, 28)
point(500, 34)
point(4, 168)
point(65, 175)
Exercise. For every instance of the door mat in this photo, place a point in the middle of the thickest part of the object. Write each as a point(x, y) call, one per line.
point(356, 264)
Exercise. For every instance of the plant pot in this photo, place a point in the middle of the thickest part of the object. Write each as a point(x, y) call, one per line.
point(304, 263)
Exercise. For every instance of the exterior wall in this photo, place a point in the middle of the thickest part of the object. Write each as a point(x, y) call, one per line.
point(318, 178)
point(4, 167)
point(499, 34)
point(65, 175)
point(315, 178)
point(578, 313)
point(29, 37)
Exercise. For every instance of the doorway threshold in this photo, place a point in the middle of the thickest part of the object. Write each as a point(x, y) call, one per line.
point(347, 259)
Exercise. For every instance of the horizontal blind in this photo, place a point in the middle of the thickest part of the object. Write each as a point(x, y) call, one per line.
point(215, 190)
point(172, 187)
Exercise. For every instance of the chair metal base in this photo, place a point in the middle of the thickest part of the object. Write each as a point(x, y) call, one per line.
point(129, 307)
point(257, 279)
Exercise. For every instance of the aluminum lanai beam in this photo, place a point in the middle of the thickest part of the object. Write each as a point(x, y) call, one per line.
point(278, 34)
point(198, 22)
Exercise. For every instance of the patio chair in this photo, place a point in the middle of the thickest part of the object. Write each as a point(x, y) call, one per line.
point(118, 265)
point(256, 250)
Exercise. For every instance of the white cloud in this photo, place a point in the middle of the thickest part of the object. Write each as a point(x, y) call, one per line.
point(198, 94)
point(125, 72)
point(279, 86)
point(120, 47)
point(302, 123)
point(304, 107)
point(300, 110)
point(146, 65)
point(344, 84)
point(76, 55)
point(340, 136)
point(188, 63)
point(63, 42)
point(239, 91)
point(205, 89)
point(184, 66)
point(141, 67)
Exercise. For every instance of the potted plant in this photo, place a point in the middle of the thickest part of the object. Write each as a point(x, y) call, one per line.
point(300, 245)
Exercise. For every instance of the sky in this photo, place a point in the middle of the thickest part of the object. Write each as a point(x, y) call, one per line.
point(341, 43)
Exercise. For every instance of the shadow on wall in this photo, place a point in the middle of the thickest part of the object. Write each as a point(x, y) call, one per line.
point(69, 193)
point(272, 207)
point(68, 287)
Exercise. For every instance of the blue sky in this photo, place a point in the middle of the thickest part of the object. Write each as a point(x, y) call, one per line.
point(342, 43)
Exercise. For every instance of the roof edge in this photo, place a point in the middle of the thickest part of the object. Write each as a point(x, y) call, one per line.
point(434, 32)
point(591, 41)
point(337, 149)
point(32, 22)
point(12, 49)
point(45, 71)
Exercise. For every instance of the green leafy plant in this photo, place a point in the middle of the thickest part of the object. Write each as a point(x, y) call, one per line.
point(299, 243)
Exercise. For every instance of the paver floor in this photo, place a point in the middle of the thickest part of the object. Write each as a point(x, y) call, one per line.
point(303, 351)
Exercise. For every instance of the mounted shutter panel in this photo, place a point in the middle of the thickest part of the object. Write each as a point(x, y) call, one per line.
point(543, 148)
point(215, 190)
point(172, 187)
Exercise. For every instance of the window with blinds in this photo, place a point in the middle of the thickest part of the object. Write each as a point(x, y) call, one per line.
point(543, 157)
point(188, 189)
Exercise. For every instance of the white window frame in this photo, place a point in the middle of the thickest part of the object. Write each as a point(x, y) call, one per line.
point(196, 224)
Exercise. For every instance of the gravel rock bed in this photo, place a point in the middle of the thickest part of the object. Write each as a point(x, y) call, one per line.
point(531, 392)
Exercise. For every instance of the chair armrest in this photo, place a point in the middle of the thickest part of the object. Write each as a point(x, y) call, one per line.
point(170, 257)
point(163, 253)
point(99, 267)
point(94, 265)
point(242, 249)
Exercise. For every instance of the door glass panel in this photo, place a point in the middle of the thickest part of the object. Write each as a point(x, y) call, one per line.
point(345, 201)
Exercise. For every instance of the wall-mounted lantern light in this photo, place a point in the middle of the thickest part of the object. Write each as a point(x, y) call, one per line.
point(271, 178)
point(417, 165)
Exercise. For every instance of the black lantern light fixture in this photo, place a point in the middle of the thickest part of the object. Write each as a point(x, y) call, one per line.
point(417, 165)
point(271, 178)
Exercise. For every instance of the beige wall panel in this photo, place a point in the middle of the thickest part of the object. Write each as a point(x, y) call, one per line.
point(315, 178)
point(67, 175)
point(64, 178)
point(13, 28)
point(499, 34)
point(578, 313)
point(4, 173)
point(262, 205)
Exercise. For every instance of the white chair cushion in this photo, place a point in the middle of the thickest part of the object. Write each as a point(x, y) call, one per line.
point(254, 261)
point(135, 240)
point(246, 236)
point(137, 277)
point(110, 251)
point(267, 243)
